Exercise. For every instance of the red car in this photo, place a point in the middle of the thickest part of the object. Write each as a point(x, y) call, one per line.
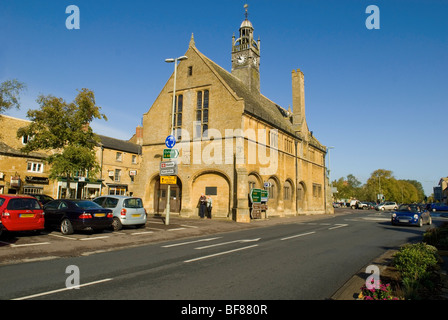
point(21, 213)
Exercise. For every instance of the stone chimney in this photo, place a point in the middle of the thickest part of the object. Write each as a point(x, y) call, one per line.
point(139, 135)
point(298, 101)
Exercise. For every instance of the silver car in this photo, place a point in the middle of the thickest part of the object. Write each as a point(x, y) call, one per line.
point(388, 205)
point(127, 210)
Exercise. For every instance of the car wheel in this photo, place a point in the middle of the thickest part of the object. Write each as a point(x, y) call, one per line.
point(116, 224)
point(382, 209)
point(66, 227)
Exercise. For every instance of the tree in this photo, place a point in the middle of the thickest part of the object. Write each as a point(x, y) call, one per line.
point(348, 188)
point(9, 94)
point(63, 128)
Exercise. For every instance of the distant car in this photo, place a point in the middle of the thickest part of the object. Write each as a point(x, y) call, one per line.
point(411, 214)
point(126, 210)
point(336, 205)
point(364, 205)
point(438, 207)
point(72, 214)
point(42, 198)
point(20, 213)
point(388, 205)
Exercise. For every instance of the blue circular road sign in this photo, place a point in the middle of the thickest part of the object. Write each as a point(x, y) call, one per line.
point(170, 141)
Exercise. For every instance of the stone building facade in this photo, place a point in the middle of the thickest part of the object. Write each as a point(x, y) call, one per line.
point(231, 139)
point(22, 173)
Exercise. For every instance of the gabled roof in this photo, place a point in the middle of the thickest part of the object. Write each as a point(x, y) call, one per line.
point(119, 145)
point(256, 104)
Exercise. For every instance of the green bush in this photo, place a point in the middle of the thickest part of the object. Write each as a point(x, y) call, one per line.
point(417, 264)
point(416, 261)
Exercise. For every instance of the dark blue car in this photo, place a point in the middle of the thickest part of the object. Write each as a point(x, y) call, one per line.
point(412, 214)
point(438, 207)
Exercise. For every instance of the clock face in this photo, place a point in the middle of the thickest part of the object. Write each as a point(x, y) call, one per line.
point(241, 59)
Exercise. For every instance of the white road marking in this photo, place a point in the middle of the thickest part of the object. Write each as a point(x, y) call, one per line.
point(229, 242)
point(61, 290)
point(94, 238)
point(176, 229)
point(220, 253)
point(143, 232)
point(25, 245)
point(59, 236)
point(298, 235)
point(338, 226)
point(189, 242)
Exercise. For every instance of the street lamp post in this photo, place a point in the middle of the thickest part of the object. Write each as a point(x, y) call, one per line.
point(173, 108)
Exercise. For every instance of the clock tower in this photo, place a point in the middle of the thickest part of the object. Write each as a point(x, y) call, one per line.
point(246, 56)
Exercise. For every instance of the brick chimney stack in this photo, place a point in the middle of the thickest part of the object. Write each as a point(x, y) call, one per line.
point(298, 101)
point(139, 135)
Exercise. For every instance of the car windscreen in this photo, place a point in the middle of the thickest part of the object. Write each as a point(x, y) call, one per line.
point(87, 204)
point(408, 208)
point(23, 204)
point(135, 203)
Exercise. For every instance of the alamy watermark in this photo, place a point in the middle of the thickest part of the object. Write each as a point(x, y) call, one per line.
point(73, 21)
point(262, 149)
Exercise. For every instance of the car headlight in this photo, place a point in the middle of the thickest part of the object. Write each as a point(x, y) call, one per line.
point(415, 216)
point(394, 215)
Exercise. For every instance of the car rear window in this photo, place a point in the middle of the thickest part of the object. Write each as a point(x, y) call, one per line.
point(87, 204)
point(23, 204)
point(133, 203)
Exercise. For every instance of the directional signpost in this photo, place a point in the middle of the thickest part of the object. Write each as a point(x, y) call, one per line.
point(170, 153)
point(259, 197)
point(168, 168)
point(168, 171)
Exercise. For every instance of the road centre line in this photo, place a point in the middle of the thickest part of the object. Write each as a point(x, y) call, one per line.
point(338, 226)
point(220, 253)
point(189, 242)
point(298, 235)
point(61, 290)
point(224, 243)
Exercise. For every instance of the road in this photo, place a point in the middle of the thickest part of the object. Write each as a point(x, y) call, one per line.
point(306, 260)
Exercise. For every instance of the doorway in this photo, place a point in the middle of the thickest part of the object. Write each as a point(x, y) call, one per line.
point(161, 197)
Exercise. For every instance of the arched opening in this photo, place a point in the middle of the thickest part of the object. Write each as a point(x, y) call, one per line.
point(215, 185)
point(301, 197)
point(161, 196)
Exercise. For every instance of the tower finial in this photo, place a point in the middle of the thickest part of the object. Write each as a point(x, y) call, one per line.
point(246, 6)
point(192, 44)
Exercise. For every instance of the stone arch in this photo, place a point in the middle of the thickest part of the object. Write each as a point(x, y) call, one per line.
point(215, 184)
point(274, 194)
point(255, 180)
point(289, 195)
point(158, 195)
point(302, 197)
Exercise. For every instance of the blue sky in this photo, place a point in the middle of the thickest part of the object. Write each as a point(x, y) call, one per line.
point(379, 97)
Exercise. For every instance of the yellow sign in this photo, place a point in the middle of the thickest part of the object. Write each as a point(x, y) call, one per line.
point(168, 180)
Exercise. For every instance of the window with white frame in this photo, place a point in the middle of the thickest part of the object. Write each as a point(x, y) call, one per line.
point(117, 175)
point(37, 167)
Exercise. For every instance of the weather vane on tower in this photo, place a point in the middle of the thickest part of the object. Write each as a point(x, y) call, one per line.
point(246, 6)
